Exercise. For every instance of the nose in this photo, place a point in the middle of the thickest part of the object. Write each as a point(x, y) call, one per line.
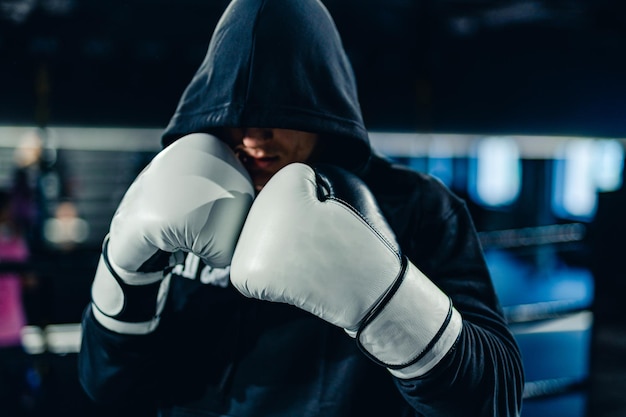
point(253, 136)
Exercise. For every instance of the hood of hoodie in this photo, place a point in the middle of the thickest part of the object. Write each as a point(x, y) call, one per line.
point(277, 64)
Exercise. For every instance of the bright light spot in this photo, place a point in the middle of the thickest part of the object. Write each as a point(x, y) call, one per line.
point(497, 171)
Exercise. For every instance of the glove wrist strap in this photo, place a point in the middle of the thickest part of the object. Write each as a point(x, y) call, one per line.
point(121, 305)
point(413, 326)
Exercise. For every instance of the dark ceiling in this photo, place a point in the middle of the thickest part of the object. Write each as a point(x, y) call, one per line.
point(466, 66)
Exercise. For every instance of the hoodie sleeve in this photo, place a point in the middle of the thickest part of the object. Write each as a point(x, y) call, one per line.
point(146, 372)
point(114, 369)
point(482, 375)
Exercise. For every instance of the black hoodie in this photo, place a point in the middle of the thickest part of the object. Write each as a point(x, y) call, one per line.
point(280, 63)
point(277, 64)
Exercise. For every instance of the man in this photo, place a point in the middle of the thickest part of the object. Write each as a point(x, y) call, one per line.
point(319, 281)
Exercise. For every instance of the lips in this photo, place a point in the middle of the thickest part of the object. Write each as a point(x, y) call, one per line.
point(258, 163)
point(263, 163)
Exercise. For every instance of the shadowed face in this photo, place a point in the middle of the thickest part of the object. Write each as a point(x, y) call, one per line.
point(264, 151)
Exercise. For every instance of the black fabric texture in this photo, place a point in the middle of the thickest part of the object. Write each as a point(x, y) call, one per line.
point(276, 64)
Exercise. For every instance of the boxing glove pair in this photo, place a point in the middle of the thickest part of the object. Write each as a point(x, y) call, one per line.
point(314, 238)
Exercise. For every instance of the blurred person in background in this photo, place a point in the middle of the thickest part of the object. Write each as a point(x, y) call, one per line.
point(15, 276)
point(40, 178)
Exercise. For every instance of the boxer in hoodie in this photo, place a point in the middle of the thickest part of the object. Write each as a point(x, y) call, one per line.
point(268, 262)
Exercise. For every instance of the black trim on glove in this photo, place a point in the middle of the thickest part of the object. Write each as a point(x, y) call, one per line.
point(379, 307)
point(336, 183)
point(140, 301)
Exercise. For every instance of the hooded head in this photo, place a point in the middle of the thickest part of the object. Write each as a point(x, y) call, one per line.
point(277, 64)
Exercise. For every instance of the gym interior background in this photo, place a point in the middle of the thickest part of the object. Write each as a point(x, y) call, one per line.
point(517, 105)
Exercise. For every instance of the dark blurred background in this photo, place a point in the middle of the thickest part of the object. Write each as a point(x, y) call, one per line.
point(87, 86)
point(521, 66)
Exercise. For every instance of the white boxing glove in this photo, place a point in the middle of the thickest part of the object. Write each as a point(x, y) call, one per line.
point(192, 197)
point(316, 239)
